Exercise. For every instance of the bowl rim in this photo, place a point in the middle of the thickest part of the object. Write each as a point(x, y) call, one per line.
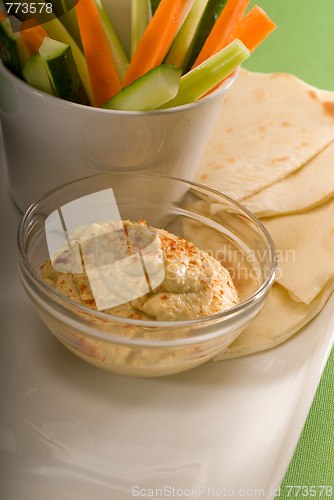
point(66, 305)
point(24, 86)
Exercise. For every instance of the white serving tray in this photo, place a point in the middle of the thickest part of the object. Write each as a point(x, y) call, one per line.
point(70, 431)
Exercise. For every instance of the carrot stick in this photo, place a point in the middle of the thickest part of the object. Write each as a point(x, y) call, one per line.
point(101, 67)
point(156, 40)
point(221, 32)
point(32, 35)
point(254, 28)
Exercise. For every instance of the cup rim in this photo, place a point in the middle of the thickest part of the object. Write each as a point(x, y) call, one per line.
point(17, 81)
point(65, 304)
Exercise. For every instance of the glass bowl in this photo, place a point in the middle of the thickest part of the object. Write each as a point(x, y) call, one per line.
point(207, 218)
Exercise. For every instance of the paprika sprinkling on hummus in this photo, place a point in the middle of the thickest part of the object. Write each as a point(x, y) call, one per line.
point(139, 272)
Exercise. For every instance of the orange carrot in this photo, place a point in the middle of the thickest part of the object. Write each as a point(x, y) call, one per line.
point(32, 35)
point(156, 40)
point(254, 28)
point(101, 67)
point(221, 32)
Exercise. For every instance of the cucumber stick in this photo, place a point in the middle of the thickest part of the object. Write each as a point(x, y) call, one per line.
point(140, 17)
point(35, 73)
point(14, 52)
point(62, 71)
point(65, 11)
point(155, 88)
point(182, 47)
point(212, 11)
point(207, 75)
point(120, 58)
point(56, 30)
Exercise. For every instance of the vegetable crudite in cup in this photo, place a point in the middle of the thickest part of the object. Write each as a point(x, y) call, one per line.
point(181, 50)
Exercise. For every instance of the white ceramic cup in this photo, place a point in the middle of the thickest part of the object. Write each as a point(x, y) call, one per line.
point(49, 141)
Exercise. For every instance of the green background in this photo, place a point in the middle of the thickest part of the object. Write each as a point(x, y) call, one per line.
point(303, 44)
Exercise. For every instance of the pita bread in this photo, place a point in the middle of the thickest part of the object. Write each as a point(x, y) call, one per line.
point(280, 318)
point(304, 246)
point(305, 250)
point(306, 188)
point(308, 239)
point(264, 132)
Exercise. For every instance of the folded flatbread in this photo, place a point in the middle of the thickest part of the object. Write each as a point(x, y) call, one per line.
point(302, 190)
point(304, 245)
point(265, 131)
point(304, 280)
point(305, 250)
point(280, 318)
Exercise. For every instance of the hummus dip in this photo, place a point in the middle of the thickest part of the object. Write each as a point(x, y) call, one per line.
point(139, 272)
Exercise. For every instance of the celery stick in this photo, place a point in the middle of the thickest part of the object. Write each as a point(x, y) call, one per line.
point(140, 16)
point(65, 11)
point(120, 58)
point(148, 92)
point(184, 14)
point(183, 44)
point(21, 50)
point(207, 75)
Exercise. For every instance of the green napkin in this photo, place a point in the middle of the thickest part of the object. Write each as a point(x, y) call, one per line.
point(313, 461)
point(303, 44)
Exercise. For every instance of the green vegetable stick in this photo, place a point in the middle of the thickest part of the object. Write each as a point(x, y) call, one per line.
point(65, 11)
point(14, 52)
point(207, 75)
point(62, 71)
point(8, 41)
point(183, 44)
point(120, 58)
point(56, 30)
point(148, 92)
point(34, 72)
point(140, 17)
point(212, 11)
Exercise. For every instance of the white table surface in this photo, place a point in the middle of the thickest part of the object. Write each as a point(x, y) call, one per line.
point(71, 431)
